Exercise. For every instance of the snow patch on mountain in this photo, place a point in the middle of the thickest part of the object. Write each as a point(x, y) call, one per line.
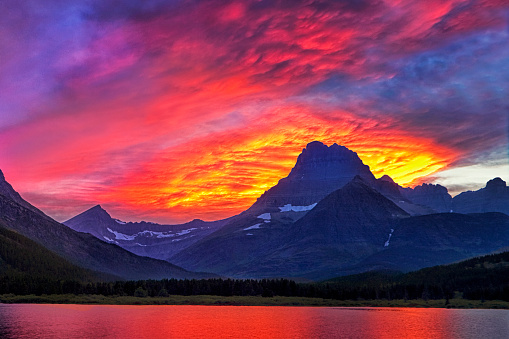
point(264, 216)
point(146, 234)
point(186, 231)
point(120, 222)
point(289, 207)
point(122, 236)
point(110, 240)
point(390, 235)
point(254, 227)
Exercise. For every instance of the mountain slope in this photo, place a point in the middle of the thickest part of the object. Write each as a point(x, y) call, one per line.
point(435, 197)
point(319, 170)
point(485, 277)
point(142, 238)
point(348, 224)
point(438, 239)
point(9, 192)
point(25, 265)
point(84, 250)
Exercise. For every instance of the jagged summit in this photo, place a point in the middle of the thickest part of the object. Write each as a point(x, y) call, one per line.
point(495, 184)
point(319, 170)
point(321, 162)
point(97, 209)
point(97, 212)
point(431, 195)
point(2, 178)
point(387, 178)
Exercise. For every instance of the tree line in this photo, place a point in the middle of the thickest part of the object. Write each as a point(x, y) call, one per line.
point(370, 289)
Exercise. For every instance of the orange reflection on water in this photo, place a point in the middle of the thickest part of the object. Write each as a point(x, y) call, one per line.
point(78, 321)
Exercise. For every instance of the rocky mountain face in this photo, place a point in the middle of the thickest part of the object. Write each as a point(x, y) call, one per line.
point(492, 198)
point(142, 238)
point(81, 249)
point(319, 171)
point(435, 197)
point(347, 225)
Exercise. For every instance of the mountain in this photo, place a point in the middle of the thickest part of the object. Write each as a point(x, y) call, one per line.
point(9, 192)
point(435, 197)
point(267, 225)
point(322, 169)
point(319, 170)
point(364, 225)
point(142, 238)
point(347, 225)
point(26, 265)
point(492, 198)
point(329, 217)
point(81, 249)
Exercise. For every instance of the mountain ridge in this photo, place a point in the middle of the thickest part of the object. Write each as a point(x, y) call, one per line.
point(82, 249)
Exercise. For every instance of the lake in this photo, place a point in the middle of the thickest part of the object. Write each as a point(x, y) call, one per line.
point(104, 321)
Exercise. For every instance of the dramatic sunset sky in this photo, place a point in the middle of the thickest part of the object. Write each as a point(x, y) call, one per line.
point(168, 111)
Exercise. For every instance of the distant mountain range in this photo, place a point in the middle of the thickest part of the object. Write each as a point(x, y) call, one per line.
point(142, 238)
point(330, 217)
point(80, 249)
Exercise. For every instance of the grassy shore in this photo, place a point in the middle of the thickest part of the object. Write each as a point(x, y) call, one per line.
point(244, 301)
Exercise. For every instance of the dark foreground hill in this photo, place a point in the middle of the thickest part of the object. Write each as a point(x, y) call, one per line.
point(26, 266)
point(438, 239)
point(485, 277)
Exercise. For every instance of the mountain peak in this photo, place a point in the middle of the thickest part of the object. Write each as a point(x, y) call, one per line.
point(2, 178)
point(319, 170)
point(495, 183)
point(315, 146)
point(96, 213)
point(321, 162)
point(97, 208)
point(318, 149)
point(386, 178)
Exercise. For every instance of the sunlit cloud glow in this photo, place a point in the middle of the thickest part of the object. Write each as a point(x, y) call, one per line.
point(173, 110)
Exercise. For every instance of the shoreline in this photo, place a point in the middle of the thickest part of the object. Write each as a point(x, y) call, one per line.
point(212, 300)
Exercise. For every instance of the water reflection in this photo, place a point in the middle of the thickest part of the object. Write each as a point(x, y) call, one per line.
point(82, 321)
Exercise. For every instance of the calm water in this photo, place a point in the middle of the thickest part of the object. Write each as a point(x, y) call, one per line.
point(82, 321)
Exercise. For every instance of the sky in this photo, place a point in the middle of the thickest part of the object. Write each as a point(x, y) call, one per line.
point(167, 111)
